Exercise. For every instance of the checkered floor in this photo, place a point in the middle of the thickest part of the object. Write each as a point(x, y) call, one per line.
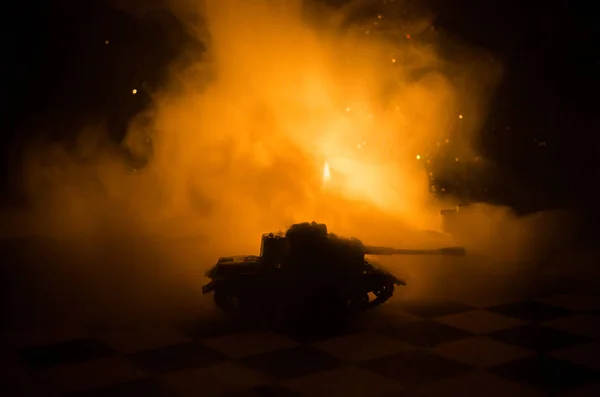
point(542, 347)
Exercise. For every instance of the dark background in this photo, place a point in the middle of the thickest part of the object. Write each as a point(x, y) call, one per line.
point(58, 72)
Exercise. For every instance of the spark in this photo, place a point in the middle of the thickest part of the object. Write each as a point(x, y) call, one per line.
point(134, 91)
point(447, 140)
point(460, 116)
point(379, 16)
point(106, 42)
point(408, 36)
point(347, 109)
point(418, 157)
point(456, 159)
point(393, 60)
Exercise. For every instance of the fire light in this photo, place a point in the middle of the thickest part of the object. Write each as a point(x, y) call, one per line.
point(326, 172)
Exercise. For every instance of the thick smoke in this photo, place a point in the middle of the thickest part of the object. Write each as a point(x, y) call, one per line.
point(238, 140)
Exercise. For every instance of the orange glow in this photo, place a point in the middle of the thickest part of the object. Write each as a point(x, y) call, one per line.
point(243, 137)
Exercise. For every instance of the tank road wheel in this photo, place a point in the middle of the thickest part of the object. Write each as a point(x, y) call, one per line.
point(383, 293)
point(372, 291)
point(359, 302)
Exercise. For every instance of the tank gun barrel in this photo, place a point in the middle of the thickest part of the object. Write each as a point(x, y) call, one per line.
point(448, 251)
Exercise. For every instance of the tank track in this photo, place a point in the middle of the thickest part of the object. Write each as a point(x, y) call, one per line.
point(226, 300)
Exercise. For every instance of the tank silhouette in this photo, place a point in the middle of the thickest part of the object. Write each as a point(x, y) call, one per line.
point(308, 264)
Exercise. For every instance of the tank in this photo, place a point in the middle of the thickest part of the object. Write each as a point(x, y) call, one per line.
point(308, 264)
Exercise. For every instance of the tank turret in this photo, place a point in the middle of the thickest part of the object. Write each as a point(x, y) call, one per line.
point(313, 239)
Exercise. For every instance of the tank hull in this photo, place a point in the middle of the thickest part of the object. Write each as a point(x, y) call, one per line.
point(271, 289)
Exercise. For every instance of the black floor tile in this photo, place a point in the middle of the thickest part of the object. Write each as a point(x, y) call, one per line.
point(215, 325)
point(547, 373)
point(426, 333)
point(314, 333)
point(264, 391)
point(70, 352)
point(433, 309)
point(177, 357)
point(531, 311)
point(288, 363)
point(412, 368)
point(148, 387)
point(539, 338)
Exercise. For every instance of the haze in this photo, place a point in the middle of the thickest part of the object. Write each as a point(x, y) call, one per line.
point(239, 139)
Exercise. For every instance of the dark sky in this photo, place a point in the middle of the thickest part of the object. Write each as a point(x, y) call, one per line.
point(56, 69)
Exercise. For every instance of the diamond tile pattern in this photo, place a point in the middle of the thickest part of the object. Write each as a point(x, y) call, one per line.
point(540, 347)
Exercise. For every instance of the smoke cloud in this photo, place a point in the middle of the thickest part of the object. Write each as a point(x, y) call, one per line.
point(237, 142)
